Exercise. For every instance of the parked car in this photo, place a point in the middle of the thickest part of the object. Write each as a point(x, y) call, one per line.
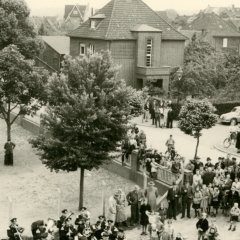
point(232, 117)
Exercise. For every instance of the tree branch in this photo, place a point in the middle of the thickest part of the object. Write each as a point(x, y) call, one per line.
point(14, 119)
point(14, 107)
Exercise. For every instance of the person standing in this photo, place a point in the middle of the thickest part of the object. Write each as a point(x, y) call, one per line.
point(112, 207)
point(62, 218)
point(234, 214)
point(157, 115)
point(121, 217)
point(144, 219)
point(8, 159)
point(205, 198)
point(170, 143)
point(187, 197)
point(152, 111)
point(172, 197)
point(151, 193)
point(197, 197)
point(202, 226)
point(170, 118)
point(238, 139)
point(134, 199)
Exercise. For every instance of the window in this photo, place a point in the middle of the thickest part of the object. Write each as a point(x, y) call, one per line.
point(149, 53)
point(93, 24)
point(82, 50)
point(91, 48)
point(225, 42)
point(75, 12)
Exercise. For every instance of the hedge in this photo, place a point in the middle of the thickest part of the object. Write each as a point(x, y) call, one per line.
point(225, 107)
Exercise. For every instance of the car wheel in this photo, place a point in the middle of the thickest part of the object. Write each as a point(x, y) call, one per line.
point(233, 121)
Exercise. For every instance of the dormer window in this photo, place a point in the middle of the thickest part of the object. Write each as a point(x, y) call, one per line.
point(75, 12)
point(93, 24)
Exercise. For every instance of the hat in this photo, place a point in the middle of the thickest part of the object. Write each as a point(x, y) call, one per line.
point(110, 221)
point(198, 158)
point(101, 217)
point(151, 183)
point(64, 211)
point(83, 208)
point(234, 159)
point(13, 220)
point(209, 159)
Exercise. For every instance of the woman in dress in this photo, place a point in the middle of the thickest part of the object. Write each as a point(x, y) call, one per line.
point(197, 198)
point(205, 198)
point(151, 193)
point(121, 217)
point(145, 208)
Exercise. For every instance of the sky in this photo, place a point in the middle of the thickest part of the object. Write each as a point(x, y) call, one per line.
point(56, 7)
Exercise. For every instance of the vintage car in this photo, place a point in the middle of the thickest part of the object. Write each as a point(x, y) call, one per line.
point(232, 117)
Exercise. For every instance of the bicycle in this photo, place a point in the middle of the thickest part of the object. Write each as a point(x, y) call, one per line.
point(230, 140)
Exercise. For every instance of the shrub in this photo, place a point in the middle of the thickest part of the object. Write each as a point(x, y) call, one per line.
point(225, 107)
point(137, 102)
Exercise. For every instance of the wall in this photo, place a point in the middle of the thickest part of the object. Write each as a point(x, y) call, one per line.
point(98, 45)
point(123, 54)
point(142, 46)
point(172, 53)
point(233, 44)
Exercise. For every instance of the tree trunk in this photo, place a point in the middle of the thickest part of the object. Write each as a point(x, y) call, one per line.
point(8, 130)
point(81, 189)
point(196, 150)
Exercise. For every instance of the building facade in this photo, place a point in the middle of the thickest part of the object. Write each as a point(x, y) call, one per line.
point(140, 41)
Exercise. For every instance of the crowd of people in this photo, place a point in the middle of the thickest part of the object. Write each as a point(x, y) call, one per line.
point(160, 112)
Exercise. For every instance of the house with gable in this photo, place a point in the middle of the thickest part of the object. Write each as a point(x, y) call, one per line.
point(74, 13)
point(220, 34)
point(140, 41)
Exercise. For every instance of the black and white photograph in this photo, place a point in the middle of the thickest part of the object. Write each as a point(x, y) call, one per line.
point(119, 120)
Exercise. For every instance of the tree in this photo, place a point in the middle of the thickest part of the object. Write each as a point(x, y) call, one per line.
point(203, 72)
point(16, 28)
point(86, 117)
point(195, 116)
point(21, 88)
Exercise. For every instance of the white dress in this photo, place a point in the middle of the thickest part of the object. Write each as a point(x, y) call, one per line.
point(112, 209)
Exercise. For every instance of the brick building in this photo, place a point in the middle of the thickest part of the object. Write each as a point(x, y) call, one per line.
point(144, 44)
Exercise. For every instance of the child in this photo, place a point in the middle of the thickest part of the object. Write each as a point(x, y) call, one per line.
point(234, 213)
point(212, 232)
point(144, 220)
point(121, 234)
point(179, 237)
point(168, 231)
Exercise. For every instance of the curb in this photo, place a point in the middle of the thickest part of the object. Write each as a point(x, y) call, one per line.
point(225, 151)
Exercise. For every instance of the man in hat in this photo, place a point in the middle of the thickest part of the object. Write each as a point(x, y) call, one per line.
point(111, 230)
point(172, 197)
point(151, 193)
point(67, 230)
point(134, 200)
point(14, 232)
point(209, 163)
point(187, 198)
point(8, 159)
point(220, 163)
point(62, 218)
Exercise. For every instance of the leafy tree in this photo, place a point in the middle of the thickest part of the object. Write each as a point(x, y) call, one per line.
point(203, 72)
point(16, 28)
point(42, 31)
point(195, 116)
point(21, 88)
point(86, 117)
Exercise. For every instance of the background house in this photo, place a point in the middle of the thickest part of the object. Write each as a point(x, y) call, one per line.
point(56, 47)
point(220, 34)
point(144, 44)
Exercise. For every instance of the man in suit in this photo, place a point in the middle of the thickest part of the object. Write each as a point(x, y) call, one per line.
point(62, 218)
point(172, 197)
point(134, 199)
point(202, 226)
point(187, 197)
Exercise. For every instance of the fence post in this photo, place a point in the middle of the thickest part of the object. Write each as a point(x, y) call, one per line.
point(103, 197)
point(10, 208)
point(59, 201)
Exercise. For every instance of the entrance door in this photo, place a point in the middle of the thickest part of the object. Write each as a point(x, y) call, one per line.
point(139, 83)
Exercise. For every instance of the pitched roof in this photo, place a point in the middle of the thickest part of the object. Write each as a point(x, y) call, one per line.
point(69, 8)
point(163, 15)
point(211, 22)
point(60, 44)
point(121, 17)
point(144, 28)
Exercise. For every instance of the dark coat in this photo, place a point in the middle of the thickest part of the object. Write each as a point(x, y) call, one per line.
point(203, 224)
point(173, 195)
point(238, 141)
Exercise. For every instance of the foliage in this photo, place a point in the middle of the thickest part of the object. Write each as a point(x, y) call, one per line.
point(20, 87)
point(87, 115)
point(137, 101)
point(203, 73)
point(225, 107)
point(196, 116)
point(15, 28)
